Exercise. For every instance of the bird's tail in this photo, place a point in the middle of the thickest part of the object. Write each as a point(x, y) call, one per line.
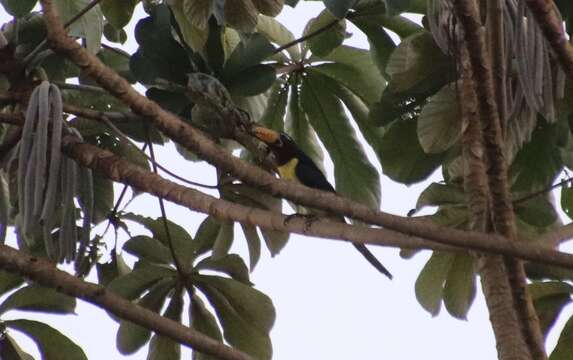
point(372, 259)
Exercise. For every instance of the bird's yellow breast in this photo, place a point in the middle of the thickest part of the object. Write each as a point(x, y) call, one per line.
point(287, 171)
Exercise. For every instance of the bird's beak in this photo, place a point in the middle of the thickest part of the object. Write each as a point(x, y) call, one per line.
point(267, 136)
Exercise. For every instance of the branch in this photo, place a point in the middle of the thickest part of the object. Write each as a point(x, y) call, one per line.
point(194, 140)
point(46, 274)
point(501, 206)
point(117, 169)
point(545, 13)
point(493, 274)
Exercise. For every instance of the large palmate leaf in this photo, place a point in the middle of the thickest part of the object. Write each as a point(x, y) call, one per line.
point(449, 278)
point(246, 315)
point(354, 174)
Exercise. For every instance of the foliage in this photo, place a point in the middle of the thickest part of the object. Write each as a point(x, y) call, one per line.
point(332, 98)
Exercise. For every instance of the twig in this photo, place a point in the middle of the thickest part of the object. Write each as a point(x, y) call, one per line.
point(316, 32)
point(81, 87)
point(542, 191)
point(176, 262)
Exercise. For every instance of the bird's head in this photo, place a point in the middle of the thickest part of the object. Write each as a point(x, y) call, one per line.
point(282, 146)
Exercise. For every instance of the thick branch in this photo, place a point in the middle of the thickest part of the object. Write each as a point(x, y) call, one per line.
point(198, 143)
point(510, 342)
point(546, 16)
point(120, 170)
point(501, 206)
point(44, 273)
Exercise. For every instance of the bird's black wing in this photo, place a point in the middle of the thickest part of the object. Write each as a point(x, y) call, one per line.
point(310, 175)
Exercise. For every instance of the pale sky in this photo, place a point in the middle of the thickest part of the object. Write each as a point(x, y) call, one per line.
point(330, 303)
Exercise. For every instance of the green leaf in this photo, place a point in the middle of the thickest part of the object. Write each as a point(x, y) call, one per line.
point(437, 194)
point(408, 65)
point(273, 117)
point(402, 157)
point(567, 200)
point(246, 314)
point(326, 41)
point(159, 54)
point(114, 35)
point(223, 241)
point(232, 265)
point(549, 299)
point(411, 79)
point(538, 163)
point(355, 176)
point(241, 15)
point(9, 350)
point(248, 53)
point(180, 239)
point(9, 281)
point(148, 249)
point(298, 127)
point(118, 60)
point(564, 347)
point(430, 283)
point(130, 336)
point(253, 243)
point(133, 284)
point(118, 13)
point(439, 123)
point(269, 7)
point(207, 234)
point(198, 12)
point(53, 345)
point(116, 267)
point(18, 8)
point(103, 197)
point(89, 26)
point(250, 303)
point(354, 69)
point(338, 8)
point(381, 44)
point(203, 321)
point(38, 298)
point(251, 81)
point(537, 211)
point(162, 347)
point(278, 34)
point(460, 286)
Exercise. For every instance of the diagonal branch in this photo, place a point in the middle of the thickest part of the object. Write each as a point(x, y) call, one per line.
point(194, 140)
point(121, 170)
point(46, 274)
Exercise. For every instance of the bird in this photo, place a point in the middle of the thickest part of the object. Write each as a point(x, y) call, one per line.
point(292, 163)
